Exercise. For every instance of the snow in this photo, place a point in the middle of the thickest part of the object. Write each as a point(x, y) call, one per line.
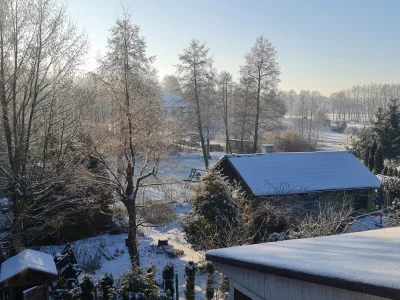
point(170, 100)
point(371, 221)
point(27, 259)
point(370, 257)
point(114, 248)
point(291, 173)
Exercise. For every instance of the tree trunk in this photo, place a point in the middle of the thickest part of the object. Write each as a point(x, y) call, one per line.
point(257, 116)
point(199, 124)
point(17, 240)
point(131, 240)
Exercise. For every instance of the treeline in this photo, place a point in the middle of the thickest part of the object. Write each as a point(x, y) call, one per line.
point(358, 103)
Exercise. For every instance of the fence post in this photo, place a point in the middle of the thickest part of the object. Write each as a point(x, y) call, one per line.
point(176, 287)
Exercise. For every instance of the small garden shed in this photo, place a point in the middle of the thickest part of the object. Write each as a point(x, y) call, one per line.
point(325, 175)
point(28, 274)
point(363, 265)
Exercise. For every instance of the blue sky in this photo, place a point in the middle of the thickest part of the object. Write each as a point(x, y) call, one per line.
point(322, 45)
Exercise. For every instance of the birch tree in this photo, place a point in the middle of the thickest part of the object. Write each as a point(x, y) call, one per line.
point(193, 73)
point(261, 67)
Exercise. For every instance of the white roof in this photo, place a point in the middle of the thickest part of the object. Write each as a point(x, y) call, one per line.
point(369, 258)
point(295, 172)
point(27, 259)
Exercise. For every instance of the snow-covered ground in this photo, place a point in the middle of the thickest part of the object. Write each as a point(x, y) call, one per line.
point(115, 258)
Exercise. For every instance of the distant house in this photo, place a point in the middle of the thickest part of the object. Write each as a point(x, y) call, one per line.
point(173, 106)
point(313, 175)
point(363, 265)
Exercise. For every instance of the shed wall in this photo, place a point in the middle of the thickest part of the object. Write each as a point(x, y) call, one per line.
point(260, 286)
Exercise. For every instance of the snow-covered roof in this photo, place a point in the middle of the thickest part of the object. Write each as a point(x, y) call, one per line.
point(295, 172)
point(368, 260)
point(170, 100)
point(27, 259)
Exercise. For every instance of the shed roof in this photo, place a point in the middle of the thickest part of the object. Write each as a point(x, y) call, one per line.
point(301, 172)
point(366, 262)
point(27, 259)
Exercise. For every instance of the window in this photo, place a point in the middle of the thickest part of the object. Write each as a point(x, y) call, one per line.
point(237, 295)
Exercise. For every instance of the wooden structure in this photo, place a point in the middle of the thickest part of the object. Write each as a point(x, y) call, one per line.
point(359, 265)
point(194, 176)
point(67, 265)
point(27, 275)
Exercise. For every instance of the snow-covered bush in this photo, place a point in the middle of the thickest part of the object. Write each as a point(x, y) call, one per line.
point(87, 288)
point(106, 284)
point(210, 282)
point(190, 273)
point(168, 278)
point(219, 218)
point(136, 285)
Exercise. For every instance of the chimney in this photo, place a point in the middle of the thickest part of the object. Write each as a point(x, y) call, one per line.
point(268, 148)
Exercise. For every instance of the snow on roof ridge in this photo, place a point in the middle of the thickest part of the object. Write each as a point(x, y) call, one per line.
point(288, 153)
point(27, 259)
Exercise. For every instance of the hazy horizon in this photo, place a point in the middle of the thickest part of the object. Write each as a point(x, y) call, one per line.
point(322, 45)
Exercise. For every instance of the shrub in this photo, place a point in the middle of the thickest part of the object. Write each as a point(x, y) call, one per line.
point(290, 141)
point(190, 272)
point(385, 171)
point(106, 283)
point(168, 278)
point(142, 286)
point(87, 288)
point(89, 257)
point(210, 282)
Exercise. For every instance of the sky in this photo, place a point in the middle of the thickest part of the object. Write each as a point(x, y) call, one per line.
point(323, 45)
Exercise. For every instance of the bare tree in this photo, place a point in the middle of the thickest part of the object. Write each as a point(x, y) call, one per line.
point(262, 69)
point(40, 50)
point(225, 85)
point(132, 146)
point(194, 71)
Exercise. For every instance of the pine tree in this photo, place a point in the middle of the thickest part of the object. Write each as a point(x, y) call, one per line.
point(210, 281)
point(168, 278)
point(378, 160)
point(390, 171)
point(190, 272)
point(372, 152)
point(395, 172)
point(224, 286)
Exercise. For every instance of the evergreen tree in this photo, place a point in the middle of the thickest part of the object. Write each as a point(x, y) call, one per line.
point(371, 159)
point(224, 286)
point(168, 278)
point(395, 172)
point(87, 287)
point(215, 208)
point(190, 272)
point(378, 160)
point(390, 171)
point(366, 156)
point(387, 128)
point(210, 281)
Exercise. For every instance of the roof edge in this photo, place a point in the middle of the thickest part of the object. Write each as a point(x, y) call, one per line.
point(356, 286)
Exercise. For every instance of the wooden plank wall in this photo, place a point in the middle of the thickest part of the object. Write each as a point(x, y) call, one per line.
point(259, 285)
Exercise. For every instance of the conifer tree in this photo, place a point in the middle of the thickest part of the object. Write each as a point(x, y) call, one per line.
point(168, 278)
point(378, 160)
point(390, 171)
point(87, 287)
point(372, 152)
point(395, 172)
point(366, 156)
point(210, 281)
point(385, 171)
point(190, 272)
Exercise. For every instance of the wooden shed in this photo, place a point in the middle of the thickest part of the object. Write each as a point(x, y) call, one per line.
point(28, 274)
point(363, 265)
